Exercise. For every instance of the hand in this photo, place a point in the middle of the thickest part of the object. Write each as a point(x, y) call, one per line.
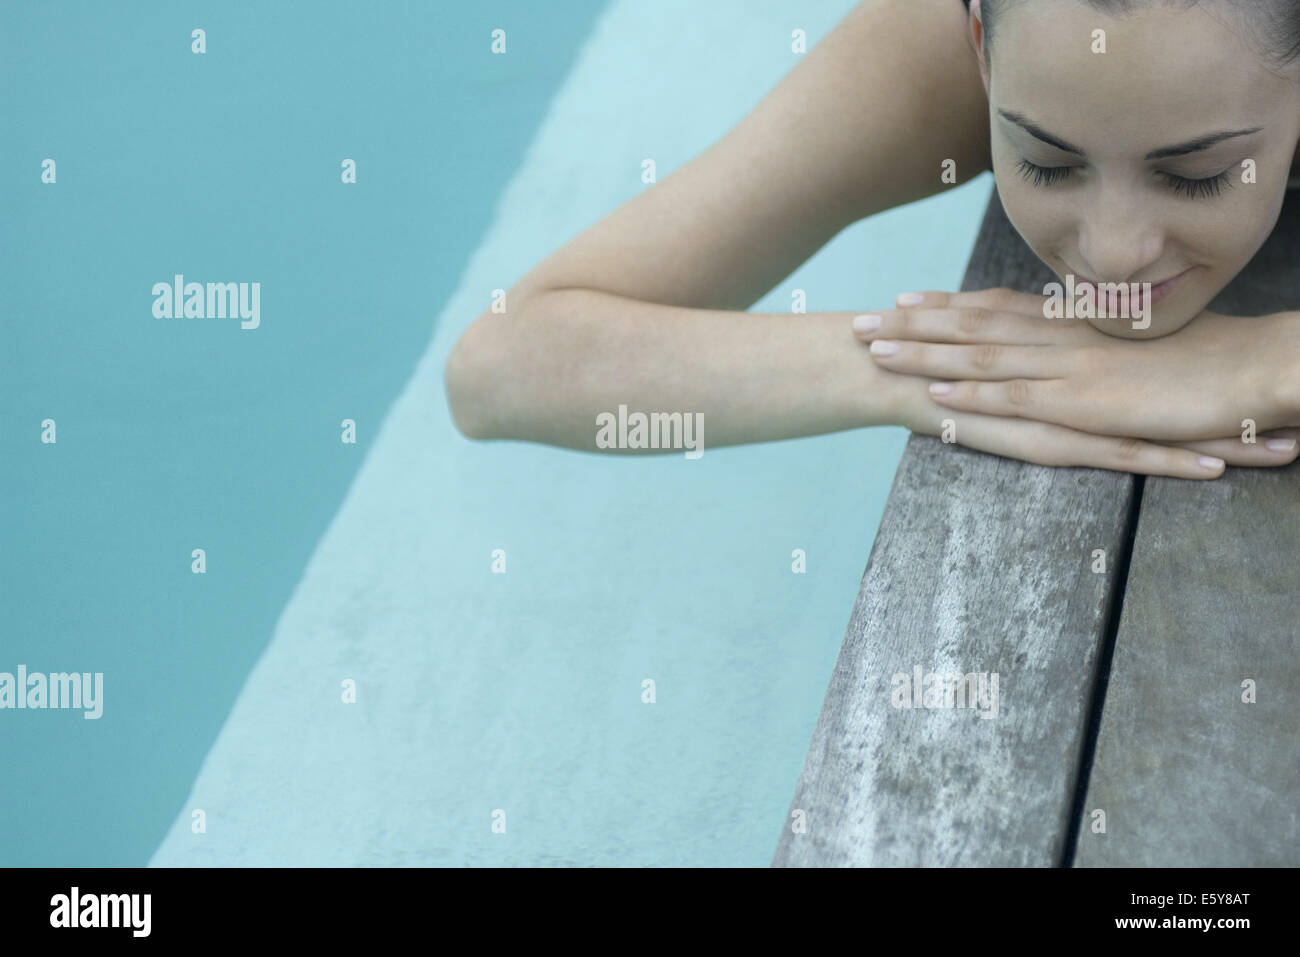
point(1045, 444)
point(1195, 385)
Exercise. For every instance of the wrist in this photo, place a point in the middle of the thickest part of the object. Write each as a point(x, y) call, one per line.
point(899, 395)
point(911, 406)
point(868, 395)
point(1285, 374)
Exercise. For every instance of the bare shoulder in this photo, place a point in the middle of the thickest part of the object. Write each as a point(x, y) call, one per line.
point(863, 122)
point(905, 69)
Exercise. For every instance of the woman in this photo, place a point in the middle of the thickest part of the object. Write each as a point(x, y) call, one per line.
point(1141, 142)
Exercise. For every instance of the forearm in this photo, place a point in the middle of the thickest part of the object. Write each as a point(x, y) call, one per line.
point(545, 373)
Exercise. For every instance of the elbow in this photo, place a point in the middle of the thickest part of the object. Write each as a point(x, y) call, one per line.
point(467, 379)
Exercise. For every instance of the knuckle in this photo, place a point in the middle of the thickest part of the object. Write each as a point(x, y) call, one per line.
point(986, 355)
point(1018, 392)
point(1128, 449)
point(973, 319)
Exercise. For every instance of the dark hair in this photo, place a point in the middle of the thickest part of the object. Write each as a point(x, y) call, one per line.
point(1274, 25)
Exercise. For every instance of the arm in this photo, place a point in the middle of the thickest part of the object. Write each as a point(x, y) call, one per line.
point(654, 290)
point(574, 353)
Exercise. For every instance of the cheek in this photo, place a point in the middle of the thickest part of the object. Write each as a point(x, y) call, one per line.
point(1225, 236)
point(1042, 221)
point(1247, 217)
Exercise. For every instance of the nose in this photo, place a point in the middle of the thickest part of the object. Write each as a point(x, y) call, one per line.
point(1118, 239)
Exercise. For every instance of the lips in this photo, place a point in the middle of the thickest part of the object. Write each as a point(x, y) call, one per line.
point(1136, 301)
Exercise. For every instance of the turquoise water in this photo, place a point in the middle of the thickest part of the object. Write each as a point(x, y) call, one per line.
point(371, 561)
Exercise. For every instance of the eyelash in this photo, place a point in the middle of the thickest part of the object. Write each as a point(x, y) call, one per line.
point(1210, 186)
point(1181, 185)
point(1044, 175)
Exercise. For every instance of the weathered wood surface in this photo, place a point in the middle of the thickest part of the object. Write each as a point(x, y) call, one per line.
point(1187, 773)
point(981, 564)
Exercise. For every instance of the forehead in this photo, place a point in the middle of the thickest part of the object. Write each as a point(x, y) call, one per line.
point(1167, 68)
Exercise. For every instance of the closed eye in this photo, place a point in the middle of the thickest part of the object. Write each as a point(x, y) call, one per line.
point(1180, 185)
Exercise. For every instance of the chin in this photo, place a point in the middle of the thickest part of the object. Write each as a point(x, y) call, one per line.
point(1162, 324)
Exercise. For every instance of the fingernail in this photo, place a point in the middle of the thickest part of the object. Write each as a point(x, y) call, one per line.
point(1281, 445)
point(1211, 463)
point(867, 323)
point(940, 388)
point(910, 299)
point(883, 347)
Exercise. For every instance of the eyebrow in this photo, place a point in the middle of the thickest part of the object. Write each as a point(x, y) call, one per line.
point(1180, 149)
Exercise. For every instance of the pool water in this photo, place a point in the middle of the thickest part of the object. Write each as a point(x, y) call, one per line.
point(350, 682)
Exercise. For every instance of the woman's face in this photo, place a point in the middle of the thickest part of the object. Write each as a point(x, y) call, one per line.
point(1127, 166)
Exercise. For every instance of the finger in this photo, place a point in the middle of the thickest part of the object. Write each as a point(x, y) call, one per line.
point(1054, 445)
point(1001, 299)
point(1020, 397)
point(987, 360)
point(970, 317)
point(1027, 304)
point(1070, 404)
point(1272, 449)
point(967, 325)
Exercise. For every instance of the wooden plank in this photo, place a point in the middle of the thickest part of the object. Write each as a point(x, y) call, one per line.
point(1187, 773)
point(981, 564)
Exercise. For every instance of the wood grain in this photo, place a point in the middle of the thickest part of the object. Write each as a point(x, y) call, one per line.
point(981, 564)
